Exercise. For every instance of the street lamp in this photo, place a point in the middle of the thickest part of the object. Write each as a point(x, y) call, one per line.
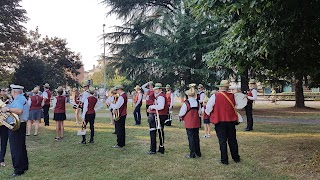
point(104, 61)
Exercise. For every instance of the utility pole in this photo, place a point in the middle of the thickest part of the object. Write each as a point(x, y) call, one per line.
point(104, 62)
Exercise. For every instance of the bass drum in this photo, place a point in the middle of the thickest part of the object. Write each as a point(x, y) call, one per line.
point(241, 100)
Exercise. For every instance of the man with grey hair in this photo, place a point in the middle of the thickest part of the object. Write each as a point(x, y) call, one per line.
point(17, 138)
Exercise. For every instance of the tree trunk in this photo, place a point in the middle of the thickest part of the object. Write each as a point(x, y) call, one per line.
point(245, 80)
point(299, 91)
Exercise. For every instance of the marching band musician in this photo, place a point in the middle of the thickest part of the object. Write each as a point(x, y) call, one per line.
point(89, 113)
point(149, 94)
point(252, 96)
point(170, 102)
point(120, 105)
point(17, 139)
point(201, 94)
point(46, 95)
point(160, 108)
point(225, 119)
point(190, 113)
point(85, 93)
point(4, 136)
point(110, 99)
point(35, 101)
point(59, 106)
point(138, 104)
point(76, 99)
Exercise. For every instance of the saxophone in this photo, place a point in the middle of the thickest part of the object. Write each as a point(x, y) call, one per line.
point(5, 115)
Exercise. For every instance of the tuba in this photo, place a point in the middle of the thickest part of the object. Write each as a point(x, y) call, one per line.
point(4, 116)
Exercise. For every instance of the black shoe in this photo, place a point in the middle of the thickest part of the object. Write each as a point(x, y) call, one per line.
point(83, 142)
point(91, 141)
point(16, 174)
point(224, 163)
point(114, 133)
point(237, 161)
point(199, 155)
point(188, 156)
point(161, 150)
point(248, 129)
point(151, 152)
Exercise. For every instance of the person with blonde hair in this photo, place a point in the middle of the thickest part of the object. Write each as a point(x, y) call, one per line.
point(35, 111)
point(190, 113)
point(206, 119)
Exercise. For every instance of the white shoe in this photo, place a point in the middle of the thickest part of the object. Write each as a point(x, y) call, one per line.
point(208, 135)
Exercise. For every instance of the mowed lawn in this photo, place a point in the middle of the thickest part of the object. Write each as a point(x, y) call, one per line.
point(271, 151)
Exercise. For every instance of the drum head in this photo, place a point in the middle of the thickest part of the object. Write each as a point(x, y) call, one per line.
point(241, 100)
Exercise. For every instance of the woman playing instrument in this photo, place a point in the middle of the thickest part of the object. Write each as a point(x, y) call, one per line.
point(206, 119)
point(190, 113)
point(35, 101)
point(59, 106)
point(111, 99)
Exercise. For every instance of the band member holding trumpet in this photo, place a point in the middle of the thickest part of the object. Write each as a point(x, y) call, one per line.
point(149, 94)
point(121, 107)
point(35, 102)
point(89, 113)
point(170, 102)
point(190, 113)
point(158, 113)
point(138, 103)
point(224, 118)
point(17, 139)
point(59, 106)
point(252, 96)
point(3, 132)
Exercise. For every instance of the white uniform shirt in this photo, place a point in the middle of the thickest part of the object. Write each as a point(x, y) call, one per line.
point(254, 95)
point(160, 102)
point(85, 106)
point(119, 103)
point(139, 99)
point(85, 96)
point(193, 103)
point(202, 95)
point(144, 88)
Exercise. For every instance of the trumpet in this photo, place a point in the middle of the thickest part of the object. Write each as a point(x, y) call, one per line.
point(4, 116)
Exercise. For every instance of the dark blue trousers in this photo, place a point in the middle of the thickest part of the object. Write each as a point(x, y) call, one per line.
point(137, 114)
point(18, 148)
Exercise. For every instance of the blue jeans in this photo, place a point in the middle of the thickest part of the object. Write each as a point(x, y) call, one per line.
point(137, 114)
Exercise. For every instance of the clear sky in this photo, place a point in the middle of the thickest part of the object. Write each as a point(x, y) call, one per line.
point(78, 21)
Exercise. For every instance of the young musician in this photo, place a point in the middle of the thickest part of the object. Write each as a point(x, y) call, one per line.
point(149, 94)
point(19, 106)
point(160, 111)
point(252, 96)
point(206, 119)
point(201, 94)
point(59, 106)
point(138, 103)
point(170, 102)
point(120, 105)
point(190, 113)
point(46, 95)
point(35, 102)
point(89, 113)
point(220, 107)
point(85, 93)
point(77, 101)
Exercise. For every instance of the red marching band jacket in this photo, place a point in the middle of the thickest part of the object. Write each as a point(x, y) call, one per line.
point(61, 104)
point(223, 111)
point(123, 108)
point(137, 97)
point(191, 118)
point(35, 102)
point(150, 97)
point(168, 97)
point(165, 109)
point(47, 102)
point(92, 101)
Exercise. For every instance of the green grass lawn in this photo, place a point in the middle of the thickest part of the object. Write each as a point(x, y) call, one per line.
point(271, 151)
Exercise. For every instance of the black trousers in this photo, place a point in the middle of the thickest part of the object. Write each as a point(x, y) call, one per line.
point(169, 120)
point(194, 141)
point(18, 148)
point(89, 118)
point(226, 132)
point(153, 132)
point(137, 114)
point(249, 116)
point(121, 131)
point(46, 114)
point(4, 141)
